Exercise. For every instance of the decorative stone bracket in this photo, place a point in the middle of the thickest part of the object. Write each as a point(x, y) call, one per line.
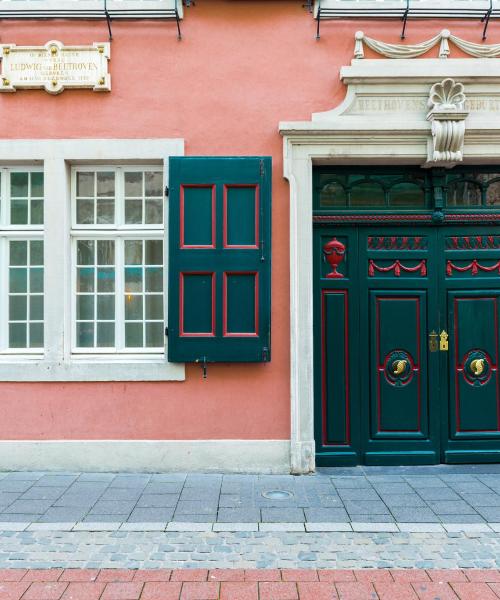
point(447, 116)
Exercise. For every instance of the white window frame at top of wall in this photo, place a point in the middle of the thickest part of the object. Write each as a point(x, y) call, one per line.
point(421, 4)
point(58, 363)
point(92, 5)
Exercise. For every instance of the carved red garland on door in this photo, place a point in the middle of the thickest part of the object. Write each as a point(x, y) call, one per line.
point(397, 267)
point(474, 267)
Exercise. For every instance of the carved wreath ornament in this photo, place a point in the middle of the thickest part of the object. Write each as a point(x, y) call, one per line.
point(447, 115)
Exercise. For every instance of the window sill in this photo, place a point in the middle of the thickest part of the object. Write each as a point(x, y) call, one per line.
point(87, 369)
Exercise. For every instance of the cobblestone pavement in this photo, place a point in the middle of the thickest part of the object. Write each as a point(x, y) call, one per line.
point(440, 494)
point(345, 550)
point(249, 585)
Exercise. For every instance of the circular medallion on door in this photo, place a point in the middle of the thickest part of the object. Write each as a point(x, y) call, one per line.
point(477, 367)
point(398, 367)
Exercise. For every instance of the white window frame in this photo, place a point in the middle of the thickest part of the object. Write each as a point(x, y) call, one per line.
point(10, 233)
point(58, 157)
point(93, 5)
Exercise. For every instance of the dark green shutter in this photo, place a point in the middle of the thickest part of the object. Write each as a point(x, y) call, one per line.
point(219, 302)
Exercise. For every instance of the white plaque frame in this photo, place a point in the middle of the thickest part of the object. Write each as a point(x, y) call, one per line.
point(55, 67)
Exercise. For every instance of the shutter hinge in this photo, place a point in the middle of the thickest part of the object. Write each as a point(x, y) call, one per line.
point(203, 363)
point(262, 170)
point(166, 331)
point(166, 191)
point(265, 354)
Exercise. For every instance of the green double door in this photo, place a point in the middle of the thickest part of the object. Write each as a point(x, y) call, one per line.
point(406, 330)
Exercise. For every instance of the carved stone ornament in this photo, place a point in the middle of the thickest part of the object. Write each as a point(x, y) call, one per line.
point(447, 116)
point(55, 67)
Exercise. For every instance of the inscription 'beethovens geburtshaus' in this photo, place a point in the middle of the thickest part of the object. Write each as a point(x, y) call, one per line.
point(55, 67)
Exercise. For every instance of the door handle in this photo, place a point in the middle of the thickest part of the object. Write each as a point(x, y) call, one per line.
point(398, 366)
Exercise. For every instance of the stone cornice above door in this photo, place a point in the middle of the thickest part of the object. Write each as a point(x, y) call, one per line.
point(387, 107)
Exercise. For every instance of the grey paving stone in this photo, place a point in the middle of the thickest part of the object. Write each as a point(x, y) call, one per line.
point(171, 487)
point(473, 487)
point(7, 498)
point(113, 507)
point(76, 501)
point(375, 479)
point(197, 494)
point(157, 501)
point(287, 527)
point(14, 485)
point(13, 526)
point(29, 506)
point(482, 499)
point(189, 527)
point(168, 477)
point(278, 515)
point(235, 527)
point(490, 513)
point(205, 518)
point(414, 515)
point(42, 493)
point(393, 488)
point(421, 481)
point(106, 477)
point(325, 515)
point(468, 527)
point(62, 514)
point(56, 480)
point(373, 518)
point(313, 527)
point(132, 480)
point(150, 515)
point(23, 475)
point(192, 507)
point(450, 507)
point(231, 501)
point(421, 527)
point(346, 482)
point(440, 493)
point(364, 494)
point(18, 518)
point(127, 494)
point(374, 527)
point(462, 518)
point(362, 507)
point(238, 515)
point(404, 500)
point(105, 518)
point(141, 526)
point(97, 526)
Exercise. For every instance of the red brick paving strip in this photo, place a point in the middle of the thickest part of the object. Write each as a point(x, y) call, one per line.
point(251, 584)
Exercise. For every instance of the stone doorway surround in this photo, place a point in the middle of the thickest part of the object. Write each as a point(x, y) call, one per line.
point(389, 116)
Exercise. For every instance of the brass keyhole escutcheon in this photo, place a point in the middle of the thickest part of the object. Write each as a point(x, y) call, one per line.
point(477, 366)
point(399, 366)
point(433, 341)
point(443, 341)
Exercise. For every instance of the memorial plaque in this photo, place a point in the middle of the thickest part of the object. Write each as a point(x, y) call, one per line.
point(55, 67)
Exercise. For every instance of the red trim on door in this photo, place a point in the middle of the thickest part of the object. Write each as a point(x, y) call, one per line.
point(183, 333)
point(182, 245)
point(254, 246)
point(324, 440)
point(225, 332)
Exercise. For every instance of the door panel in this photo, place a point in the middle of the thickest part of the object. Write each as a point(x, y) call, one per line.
point(399, 396)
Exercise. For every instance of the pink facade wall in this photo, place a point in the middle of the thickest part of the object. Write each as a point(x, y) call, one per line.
point(241, 68)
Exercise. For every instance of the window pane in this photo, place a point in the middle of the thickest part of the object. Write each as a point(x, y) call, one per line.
point(85, 252)
point(106, 307)
point(155, 335)
point(133, 308)
point(493, 194)
point(36, 335)
point(19, 185)
point(154, 279)
point(133, 212)
point(105, 184)
point(18, 308)
point(133, 184)
point(36, 308)
point(333, 194)
point(368, 193)
point(85, 279)
point(106, 252)
point(133, 279)
point(85, 184)
point(85, 307)
point(19, 212)
point(154, 212)
point(407, 194)
point(133, 335)
point(36, 280)
point(154, 307)
point(105, 211)
point(37, 185)
point(36, 252)
point(17, 335)
point(18, 253)
point(154, 252)
point(85, 335)
point(154, 183)
point(133, 252)
point(84, 212)
point(463, 193)
point(105, 335)
point(106, 279)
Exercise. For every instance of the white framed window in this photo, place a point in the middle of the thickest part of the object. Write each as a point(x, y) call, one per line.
point(118, 259)
point(21, 260)
point(83, 260)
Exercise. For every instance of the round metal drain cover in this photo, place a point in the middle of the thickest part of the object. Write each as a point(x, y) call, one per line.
point(277, 495)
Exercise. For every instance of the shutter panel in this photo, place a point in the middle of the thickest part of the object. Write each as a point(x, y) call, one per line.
point(219, 303)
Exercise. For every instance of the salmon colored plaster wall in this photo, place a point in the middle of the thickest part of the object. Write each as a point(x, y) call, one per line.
point(241, 67)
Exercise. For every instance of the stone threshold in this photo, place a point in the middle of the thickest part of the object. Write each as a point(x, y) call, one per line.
point(172, 526)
